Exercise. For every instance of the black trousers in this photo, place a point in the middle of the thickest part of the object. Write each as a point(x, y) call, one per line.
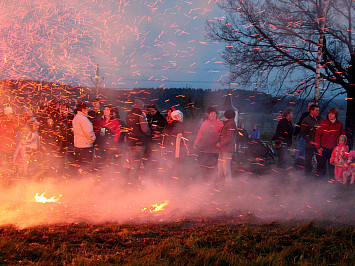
point(323, 163)
point(84, 158)
point(308, 161)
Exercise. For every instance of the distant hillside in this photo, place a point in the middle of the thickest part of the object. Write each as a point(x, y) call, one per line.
point(18, 93)
point(254, 107)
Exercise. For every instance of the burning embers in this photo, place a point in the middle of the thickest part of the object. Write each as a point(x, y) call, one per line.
point(42, 199)
point(155, 207)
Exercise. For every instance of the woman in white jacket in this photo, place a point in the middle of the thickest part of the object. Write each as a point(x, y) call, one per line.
point(84, 138)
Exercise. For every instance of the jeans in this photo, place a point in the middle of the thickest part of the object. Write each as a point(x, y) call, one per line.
point(225, 168)
point(301, 148)
point(135, 154)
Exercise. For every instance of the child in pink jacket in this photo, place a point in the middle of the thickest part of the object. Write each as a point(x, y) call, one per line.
point(338, 157)
point(349, 168)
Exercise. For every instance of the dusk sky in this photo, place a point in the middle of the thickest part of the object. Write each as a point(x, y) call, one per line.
point(137, 43)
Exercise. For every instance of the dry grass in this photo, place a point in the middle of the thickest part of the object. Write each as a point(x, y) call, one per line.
point(188, 242)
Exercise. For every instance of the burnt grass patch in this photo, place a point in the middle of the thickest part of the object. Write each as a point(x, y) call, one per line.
point(188, 242)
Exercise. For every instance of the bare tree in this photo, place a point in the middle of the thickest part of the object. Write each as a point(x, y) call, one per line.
point(275, 42)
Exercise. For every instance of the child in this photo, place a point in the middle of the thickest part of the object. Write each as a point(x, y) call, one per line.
point(338, 157)
point(349, 167)
point(29, 145)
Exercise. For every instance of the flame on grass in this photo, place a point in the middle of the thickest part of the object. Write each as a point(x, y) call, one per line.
point(155, 207)
point(42, 199)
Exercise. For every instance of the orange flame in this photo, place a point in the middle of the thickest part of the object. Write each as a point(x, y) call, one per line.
point(155, 207)
point(43, 199)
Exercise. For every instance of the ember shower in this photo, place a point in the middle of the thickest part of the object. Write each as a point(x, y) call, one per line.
point(136, 43)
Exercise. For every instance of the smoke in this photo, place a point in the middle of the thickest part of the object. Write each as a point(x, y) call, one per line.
point(269, 198)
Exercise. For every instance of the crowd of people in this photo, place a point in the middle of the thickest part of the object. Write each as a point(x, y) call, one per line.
point(322, 146)
point(56, 142)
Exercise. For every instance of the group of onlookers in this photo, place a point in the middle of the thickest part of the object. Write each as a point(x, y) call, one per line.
point(215, 142)
point(322, 144)
point(99, 140)
point(56, 142)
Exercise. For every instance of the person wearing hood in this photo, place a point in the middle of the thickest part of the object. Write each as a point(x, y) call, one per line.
point(137, 138)
point(349, 168)
point(168, 114)
point(206, 143)
point(338, 157)
point(174, 147)
point(326, 138)
point(283, 138)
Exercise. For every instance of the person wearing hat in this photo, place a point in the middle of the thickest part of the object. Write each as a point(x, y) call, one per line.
point(206, 142)
point(226, 147)
point(137, 138)
point(168, 114)
point(338, 157)
point(8, 126)
point(349, 168)
point(84, 138)
point(174, 148)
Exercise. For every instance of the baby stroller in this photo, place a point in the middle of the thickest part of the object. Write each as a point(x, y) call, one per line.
point(262, 150)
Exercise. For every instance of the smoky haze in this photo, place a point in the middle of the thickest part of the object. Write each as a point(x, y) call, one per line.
point(268, 198)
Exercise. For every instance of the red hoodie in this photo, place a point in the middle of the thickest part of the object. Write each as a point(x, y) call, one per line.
point(327, 133)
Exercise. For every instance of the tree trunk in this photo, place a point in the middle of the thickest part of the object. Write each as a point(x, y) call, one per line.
point(350, 114)
point(350, 108)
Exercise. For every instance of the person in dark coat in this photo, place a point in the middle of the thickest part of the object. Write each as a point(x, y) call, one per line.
point(95, 113)
point(51, 143)
point(107, 130)
point(301, 143)
point(156, 123)
point(241, 138)
point(67, 138)
point(283, 138)
point(308, 130)
point(137, 138)
point(174, 147)
point(226, 146)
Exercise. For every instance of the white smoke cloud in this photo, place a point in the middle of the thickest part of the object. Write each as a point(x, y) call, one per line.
point(267, 198)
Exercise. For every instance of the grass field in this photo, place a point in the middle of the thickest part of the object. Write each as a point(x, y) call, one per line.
point(188, 242)
point(268, 217)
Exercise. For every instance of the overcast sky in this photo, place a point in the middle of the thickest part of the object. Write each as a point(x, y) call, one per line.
point(137, 43)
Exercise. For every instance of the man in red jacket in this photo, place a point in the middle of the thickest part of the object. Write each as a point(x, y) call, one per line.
point(326, 139)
